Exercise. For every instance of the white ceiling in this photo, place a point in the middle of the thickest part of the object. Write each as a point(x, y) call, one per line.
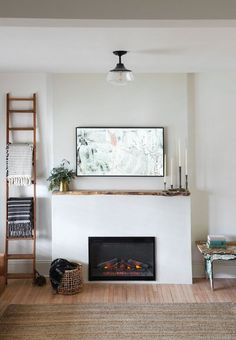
point(158, 48)
point(121, 9)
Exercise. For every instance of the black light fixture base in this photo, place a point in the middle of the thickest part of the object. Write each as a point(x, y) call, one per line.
point(120, 67)
point(119, 53)
point(120, 75)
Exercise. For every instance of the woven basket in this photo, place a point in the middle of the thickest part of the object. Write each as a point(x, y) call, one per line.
point(72, 281)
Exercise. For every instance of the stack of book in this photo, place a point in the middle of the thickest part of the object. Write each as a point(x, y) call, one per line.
point(216, 241)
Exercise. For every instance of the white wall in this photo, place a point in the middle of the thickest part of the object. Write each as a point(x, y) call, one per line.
point(212, 120)
point(152, 100)
point(25, 85)
point(88, 100)
point(200, 106)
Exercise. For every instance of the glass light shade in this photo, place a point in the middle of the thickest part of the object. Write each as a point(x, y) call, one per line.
point(120, 77)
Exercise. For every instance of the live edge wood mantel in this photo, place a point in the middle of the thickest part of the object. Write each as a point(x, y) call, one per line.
point(168, 193)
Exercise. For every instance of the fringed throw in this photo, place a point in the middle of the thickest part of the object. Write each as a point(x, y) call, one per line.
point(20, 217)
point(19, 164)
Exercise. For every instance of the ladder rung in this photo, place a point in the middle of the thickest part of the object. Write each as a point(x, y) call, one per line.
point(21, 99)
point(20, 275)
point(21, 111)
point(19, 238)
point(20, 256)
point(21, 129)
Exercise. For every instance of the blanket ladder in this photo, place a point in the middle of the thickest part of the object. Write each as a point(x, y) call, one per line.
point(10, 130)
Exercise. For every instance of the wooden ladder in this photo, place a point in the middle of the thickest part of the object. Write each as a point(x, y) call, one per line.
point(9, 131)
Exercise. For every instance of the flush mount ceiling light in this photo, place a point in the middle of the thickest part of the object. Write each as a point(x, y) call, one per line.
point(120, 75)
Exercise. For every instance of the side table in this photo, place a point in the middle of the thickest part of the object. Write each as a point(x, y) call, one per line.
point(215, 254)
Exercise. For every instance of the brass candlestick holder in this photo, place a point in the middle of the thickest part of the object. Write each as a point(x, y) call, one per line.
point(180, 179)
point(186, 182)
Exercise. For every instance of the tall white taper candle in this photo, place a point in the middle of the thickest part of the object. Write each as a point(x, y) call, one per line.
point(179, 154)
point(164, 168)
point(171, 171)
point(186, 161)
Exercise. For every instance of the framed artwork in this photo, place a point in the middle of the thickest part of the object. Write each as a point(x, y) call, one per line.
point(119, 151)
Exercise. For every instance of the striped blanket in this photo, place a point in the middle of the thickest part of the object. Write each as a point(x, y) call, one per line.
point(19, 163)
point(20, 217)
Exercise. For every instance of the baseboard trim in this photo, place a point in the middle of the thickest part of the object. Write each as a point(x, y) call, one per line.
point(198, 270)
point(25, 266)
point(221, 270)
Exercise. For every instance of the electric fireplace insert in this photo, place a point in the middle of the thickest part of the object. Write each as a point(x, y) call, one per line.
point(122, 258)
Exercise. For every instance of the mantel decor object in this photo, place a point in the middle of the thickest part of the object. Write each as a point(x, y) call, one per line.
point(186, 182)
point(60, 177)
point(180, 178)
point(64, 186)
point(165, 171)
point(120, 151)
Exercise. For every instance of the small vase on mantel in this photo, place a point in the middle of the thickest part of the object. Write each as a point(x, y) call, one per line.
point(60, 177)
point(64, 186)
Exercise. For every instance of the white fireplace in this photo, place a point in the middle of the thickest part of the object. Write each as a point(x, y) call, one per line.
point(75, 218)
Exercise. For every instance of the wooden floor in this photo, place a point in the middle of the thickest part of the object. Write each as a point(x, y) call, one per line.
point(23, 292)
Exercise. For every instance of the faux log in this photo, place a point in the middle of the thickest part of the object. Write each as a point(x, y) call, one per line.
point(134, 263)
point(122, 265)
point(109, 263)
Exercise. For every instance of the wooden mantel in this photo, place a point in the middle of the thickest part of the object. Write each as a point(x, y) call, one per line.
point(124, 192)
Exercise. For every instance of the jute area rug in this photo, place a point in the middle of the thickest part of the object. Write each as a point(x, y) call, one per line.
point(102, 321)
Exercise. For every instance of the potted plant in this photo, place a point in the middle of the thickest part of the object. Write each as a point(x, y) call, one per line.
point(60, 177)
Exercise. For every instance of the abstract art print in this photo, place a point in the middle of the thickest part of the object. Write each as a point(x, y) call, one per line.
point(119, 151)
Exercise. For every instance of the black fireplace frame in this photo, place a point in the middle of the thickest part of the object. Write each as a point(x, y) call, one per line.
point(121, 238)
